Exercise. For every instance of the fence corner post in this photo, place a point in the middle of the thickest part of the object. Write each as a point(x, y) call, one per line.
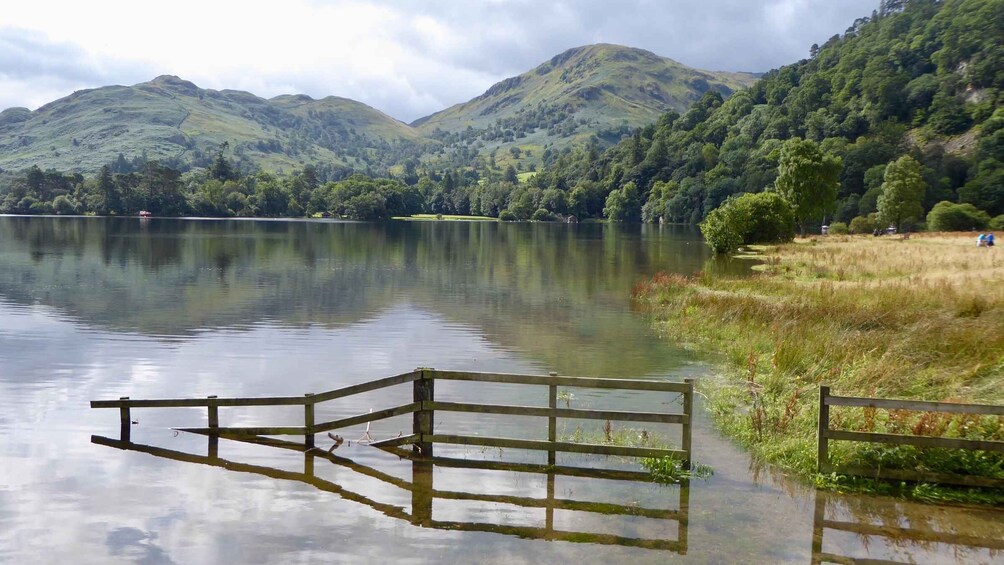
point(822, 429)
point(308, 420)
point(688, 424)
point(423, 419)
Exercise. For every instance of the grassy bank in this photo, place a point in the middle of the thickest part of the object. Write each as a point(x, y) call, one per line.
point(921, 318)
point(444, 217)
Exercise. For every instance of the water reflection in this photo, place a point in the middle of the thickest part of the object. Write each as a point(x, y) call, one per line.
point(555, 292)
point(97, 308)
point(423, 492)
point(855, 530)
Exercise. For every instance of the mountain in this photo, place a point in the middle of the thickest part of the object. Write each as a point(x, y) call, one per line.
point(602, 89)
point(178, 123)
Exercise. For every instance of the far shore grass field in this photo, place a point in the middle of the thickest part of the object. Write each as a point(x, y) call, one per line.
point(919, 318)
point(444, 217)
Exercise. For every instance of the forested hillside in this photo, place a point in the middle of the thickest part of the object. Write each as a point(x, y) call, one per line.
point(917, 77)
point(595, 93)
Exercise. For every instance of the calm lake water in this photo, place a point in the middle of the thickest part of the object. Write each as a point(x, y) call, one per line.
point(94, 308)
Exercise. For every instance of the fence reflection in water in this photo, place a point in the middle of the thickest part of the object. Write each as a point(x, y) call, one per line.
point(884, 535)
point(424, 492)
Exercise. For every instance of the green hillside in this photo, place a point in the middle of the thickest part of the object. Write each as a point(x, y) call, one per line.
point(921, 78)
point(598, 90)
point(175, 122)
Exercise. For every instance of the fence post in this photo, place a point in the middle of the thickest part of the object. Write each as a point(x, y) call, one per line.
point(308, 420)
point(818, 515)
point(214, 415)
point(684, 521)
point(549, 511)
point(822, 439)
point(423, 390)
point(688, 426)
point(125, 422)
point(552, 422)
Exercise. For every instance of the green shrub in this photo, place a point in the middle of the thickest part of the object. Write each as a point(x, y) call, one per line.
point(838, 228)
point(721, 233)
point(861, 224)
point(763, 217)
point(949, 216)
point(542, 215)
point(507, 216)
point(997, 223)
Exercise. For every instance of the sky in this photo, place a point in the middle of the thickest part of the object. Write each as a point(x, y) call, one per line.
point(408, 58)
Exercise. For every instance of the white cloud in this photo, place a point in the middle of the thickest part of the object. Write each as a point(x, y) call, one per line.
point(407, 58)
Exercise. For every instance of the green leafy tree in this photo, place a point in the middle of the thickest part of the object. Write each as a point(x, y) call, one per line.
point(510, 175)
point(623, 204)
point(64, 205)
point(808, 179)
point(902, 192)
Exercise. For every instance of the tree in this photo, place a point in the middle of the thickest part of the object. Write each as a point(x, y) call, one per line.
point(510, 175)
point(808, 180)
point(221, 169)
point(902, 192)
point(111, 201)
point(623, 204)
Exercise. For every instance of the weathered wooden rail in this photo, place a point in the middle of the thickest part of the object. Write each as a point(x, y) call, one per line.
point(825, 434)
point(423, 491)
point(424, 407)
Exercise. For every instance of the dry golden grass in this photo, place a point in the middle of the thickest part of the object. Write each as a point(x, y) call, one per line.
point(933, 259)
point(919, 318)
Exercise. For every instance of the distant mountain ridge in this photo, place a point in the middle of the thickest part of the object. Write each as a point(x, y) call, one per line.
point(174, 121)
point(597, 90)
point(628, 83)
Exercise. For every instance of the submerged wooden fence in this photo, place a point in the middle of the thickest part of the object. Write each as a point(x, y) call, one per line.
point(424, 407)
point(424, 493)
point(825, 434)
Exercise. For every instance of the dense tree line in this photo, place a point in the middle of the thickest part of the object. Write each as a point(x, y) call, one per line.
point(219, 190)
point(921, 78)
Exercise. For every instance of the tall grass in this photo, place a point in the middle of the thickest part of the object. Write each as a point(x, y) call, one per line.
point(921, 318)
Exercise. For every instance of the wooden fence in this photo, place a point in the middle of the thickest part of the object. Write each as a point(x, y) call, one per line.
point(424, 407)
point(825, 434)
point(424, 493)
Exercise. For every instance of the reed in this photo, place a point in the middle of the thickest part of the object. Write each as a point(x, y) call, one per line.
point(919, 318)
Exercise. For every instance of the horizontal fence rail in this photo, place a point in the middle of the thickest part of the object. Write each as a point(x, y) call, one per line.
point(424, 406)
point(825, 434)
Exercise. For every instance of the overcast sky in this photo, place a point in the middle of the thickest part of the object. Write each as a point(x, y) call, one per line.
point(408, 58)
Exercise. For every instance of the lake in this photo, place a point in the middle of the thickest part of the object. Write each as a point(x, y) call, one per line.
point(100, 308)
